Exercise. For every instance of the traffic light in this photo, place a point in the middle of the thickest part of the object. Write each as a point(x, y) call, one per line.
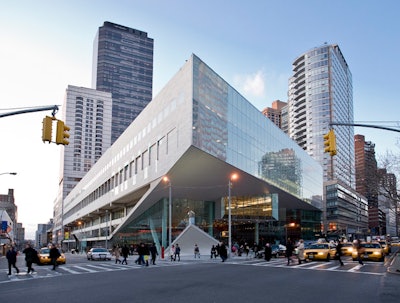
point(62, 134)
point(47, 129)
point(330, 143)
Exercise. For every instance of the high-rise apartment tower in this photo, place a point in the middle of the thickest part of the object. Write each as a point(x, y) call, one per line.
point(321, 92)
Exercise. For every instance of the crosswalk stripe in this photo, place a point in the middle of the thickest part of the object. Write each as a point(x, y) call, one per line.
point(99, 267)
point(71, 271)
point(85, 269)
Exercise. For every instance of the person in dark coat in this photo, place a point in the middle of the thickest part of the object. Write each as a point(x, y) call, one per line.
point(267, 252)
point(125, 253)
point(146, 254)
point(339, 252)
point(153, 253)
point(54, 254)
point(141, 252)
point(12, 259)
point(177, 252)
point(289, 251)
point(223, 252)
point(30, 257)
point(213, 252)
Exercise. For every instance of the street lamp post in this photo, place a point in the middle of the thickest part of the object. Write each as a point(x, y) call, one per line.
point(80, 236)
point(233, 177)
point(166, 179)
point(292, 224)
point(106, 228)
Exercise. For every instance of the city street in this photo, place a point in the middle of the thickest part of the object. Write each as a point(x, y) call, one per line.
point(203, 280)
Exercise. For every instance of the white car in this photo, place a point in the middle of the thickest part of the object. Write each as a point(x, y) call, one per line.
point(98, 254)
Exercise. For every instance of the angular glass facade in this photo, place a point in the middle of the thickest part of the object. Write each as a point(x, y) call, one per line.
point(227, 126)
point(197, 131)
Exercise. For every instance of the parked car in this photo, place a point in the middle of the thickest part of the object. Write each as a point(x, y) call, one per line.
point(371, 251)
point(98, 253)
point(320, 251)
point(44, 256)
point(276, 251)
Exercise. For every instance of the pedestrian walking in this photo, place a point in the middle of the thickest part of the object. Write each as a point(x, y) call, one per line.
point(117, 254)
point(339, 252)
point(172, 252)
point(289, 251)
point(54, 254)
point(217, 248)
point(360, 251)
point(177, 252)
point(223, 252)
point(300, 251)
point(146, 254)
point(141, 252)
point(30, 257)
point(213, 252)
point(153, 253)
point(125, 253)
point(267, 252)
point(12, 259)
point(196, 251)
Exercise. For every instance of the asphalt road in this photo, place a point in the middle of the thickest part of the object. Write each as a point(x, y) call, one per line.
point(240, 280)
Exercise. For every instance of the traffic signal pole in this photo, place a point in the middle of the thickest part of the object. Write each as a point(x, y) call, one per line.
point(365, 125)
point(54, 108)
point(62, 134)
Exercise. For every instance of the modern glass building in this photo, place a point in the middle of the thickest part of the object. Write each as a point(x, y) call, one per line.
point(321, 92)
point(197, 132)
point(123, 66)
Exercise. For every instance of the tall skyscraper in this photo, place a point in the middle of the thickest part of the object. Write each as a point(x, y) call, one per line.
point(123, 66)
point(321, 92)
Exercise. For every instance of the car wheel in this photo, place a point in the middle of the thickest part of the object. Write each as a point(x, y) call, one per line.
point(328, 258)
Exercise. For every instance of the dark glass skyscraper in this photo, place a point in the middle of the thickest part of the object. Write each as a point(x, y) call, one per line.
point(123, 66)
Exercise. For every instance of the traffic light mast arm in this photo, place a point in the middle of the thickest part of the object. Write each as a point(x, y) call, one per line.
point(31, 110)
point(365, 125)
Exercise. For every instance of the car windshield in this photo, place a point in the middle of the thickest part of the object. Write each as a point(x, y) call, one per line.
point(99, 250)
point(319, 246)
point(371, 245)
point(45, 251)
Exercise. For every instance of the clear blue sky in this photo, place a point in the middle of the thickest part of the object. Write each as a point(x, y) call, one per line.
point(47, 45)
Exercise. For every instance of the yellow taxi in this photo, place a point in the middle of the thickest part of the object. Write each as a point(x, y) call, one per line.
point(395, 243)
point(385, 246)
point(371, 251)
point(347, 249)
point(44, 256)
point(320, 251)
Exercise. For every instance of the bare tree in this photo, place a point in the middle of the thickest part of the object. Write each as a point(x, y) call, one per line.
point(388, 176)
